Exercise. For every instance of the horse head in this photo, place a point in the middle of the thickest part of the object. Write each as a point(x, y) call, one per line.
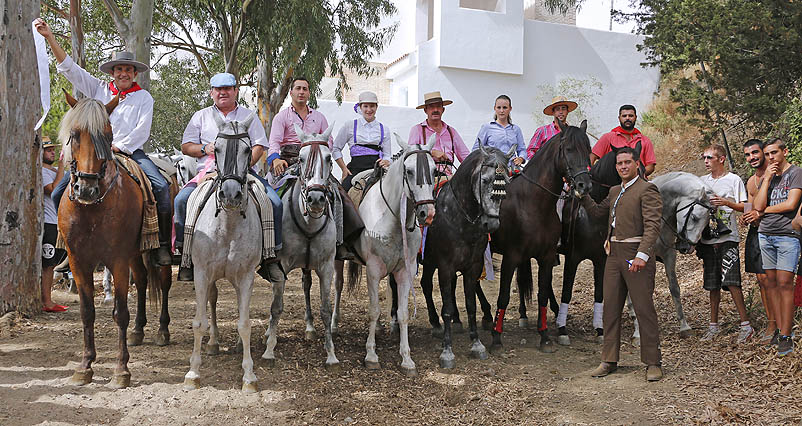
point(418, 177)
point(185, 166)
point(490, 176)
point(315, 164)
point(693, 216)
point(232, 156)
point(574, 157)
point(87, 131)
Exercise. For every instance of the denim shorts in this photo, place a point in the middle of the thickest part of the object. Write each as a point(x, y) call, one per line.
point(779, 252)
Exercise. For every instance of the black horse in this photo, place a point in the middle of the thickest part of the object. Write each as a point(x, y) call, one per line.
point(530, 227)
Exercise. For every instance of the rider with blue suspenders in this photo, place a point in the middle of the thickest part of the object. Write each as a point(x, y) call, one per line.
point(369, 140)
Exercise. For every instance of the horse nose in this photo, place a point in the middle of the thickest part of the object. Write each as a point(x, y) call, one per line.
point(426, 214)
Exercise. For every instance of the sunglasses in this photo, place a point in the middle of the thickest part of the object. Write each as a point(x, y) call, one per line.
point(707, 157)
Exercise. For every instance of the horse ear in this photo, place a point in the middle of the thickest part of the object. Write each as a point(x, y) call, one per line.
point(482, 148)
point(218, 121)
point(248, 121)
point(401, 144)
point(327, 134)
point(70, 100)
point(112, 104)
point(511, 154)
point(299, 132)
point(583, 126)
point(431, 142)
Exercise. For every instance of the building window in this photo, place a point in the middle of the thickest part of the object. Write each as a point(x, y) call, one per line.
point(488, 5)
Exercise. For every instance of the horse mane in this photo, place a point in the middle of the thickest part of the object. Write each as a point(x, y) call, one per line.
point(88, 115)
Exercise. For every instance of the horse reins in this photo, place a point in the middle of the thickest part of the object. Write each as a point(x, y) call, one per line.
point(423, 176)
point(229, 170)
point(682, 233)
point(309, 171)
point(77, 174)
point(571, 175)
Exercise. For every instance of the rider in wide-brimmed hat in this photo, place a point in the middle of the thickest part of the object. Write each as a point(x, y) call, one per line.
point(559, 108)
point(130, 122)
point(369, 140)
point(449, 143)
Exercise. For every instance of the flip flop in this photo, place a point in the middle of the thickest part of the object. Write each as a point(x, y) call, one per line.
point(56, 308)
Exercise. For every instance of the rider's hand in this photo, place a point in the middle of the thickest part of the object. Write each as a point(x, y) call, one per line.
point(438, 155)
point(518, 161)
point(636, 265)
point(346, 172)
point(43, 28)
point(208, 149)
point(384, 163)
point(279, 166)
point(115, 149)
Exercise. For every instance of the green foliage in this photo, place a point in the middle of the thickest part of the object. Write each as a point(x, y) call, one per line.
point(585, 92)
point(789, 127)
point(744, 56)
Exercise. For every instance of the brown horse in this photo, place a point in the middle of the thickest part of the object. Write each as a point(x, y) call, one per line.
point(100, 221)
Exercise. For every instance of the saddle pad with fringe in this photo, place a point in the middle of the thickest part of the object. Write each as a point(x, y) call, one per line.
point(149, 235)
point(200, 196)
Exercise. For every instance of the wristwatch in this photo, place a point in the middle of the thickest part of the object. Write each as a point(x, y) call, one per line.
point(203, 148)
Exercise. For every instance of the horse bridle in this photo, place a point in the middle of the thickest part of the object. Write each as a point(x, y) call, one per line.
point(77, 174)
point(500, 171)
point(229, 169)
point(682, 233)
point(309, 172)
point(424, 175)
point(571, 175)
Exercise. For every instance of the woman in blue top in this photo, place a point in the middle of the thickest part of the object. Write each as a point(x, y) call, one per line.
point(501, 133)
point(369, 140)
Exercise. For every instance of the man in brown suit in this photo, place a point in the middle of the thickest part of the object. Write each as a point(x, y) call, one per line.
point(634, 210)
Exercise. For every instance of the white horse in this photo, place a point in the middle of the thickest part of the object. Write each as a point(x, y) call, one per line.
point(686, 212)
point(393, 210)
point(309, 234)
point(186, 166)
point(226, 243)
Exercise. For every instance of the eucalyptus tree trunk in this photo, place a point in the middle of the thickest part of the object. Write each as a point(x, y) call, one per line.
point(135, 31)
point(20, 154)
point(77, 39)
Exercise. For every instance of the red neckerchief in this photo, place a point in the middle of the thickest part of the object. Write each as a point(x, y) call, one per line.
point(620, 129)
point(114, 89)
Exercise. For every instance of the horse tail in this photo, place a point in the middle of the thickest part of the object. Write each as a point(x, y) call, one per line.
point(523, 278)
point(354, 276)
point(154, 282)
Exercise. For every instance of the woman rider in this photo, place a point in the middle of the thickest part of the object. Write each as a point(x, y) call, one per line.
point(369, 140)
point(501, 133)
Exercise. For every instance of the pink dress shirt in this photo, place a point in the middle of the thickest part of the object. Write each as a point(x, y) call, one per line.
point(444, 143)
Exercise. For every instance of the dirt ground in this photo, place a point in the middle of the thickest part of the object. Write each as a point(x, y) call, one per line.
point(704, 383)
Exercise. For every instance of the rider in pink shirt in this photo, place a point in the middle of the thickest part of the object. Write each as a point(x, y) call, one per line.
point(449, 143)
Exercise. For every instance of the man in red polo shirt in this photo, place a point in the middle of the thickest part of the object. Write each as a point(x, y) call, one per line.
point(626, 135)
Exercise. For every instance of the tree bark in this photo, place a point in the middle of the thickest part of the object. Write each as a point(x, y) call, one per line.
point(20, 154)
point(77, 38)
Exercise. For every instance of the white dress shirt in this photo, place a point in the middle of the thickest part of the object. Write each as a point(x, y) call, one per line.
point(366, 133)
point(130, 121)
point(202, 128)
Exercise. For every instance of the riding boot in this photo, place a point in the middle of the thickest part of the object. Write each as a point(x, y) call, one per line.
point(163, 255)
point(185, 274)
point(271, 270)
point(352, 229)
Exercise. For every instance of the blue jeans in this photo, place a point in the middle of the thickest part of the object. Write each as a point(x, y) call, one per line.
point(183, 197)
point(779, 252)
point(161, 189)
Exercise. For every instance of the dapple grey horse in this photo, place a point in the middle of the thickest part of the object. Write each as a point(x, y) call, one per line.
point(392, 210)
point(686, 213)
point(226, 243)
point(309, 232)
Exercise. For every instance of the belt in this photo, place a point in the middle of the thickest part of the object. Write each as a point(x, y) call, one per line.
point(626, 240)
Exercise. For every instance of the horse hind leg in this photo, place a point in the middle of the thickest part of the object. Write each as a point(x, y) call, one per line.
point(108, 293)
point(276, 309)
point(456, 323)
point(213, 346)
point(141, 282)
point(324, 275)
point(523, 279)
point(427, 287)
point(85, 283)
point(544, 276)
point(598, 297)
point(164, 276)
point(338, 286)
point(670, 264)
point(200, 324)
point(487, 316)
point(392, 286)
point(636, 333)
point(569, 275)
point(469, 285)
point(244, 293)
point(309, 333)
point(122, 376)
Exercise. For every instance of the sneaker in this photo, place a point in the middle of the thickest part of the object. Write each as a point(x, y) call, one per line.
point(775, 337)
point(785, 345)
point(745, 334)
point(710, 334)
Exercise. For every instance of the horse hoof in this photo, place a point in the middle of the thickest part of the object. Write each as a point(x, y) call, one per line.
point(310, 335)
point(191, 384)
point(251, 387)
point(564, 340)
point(409, 372)
point(437, 332)
point(481, 355)
point(120, 381)
point(457, 328)
point(523, 322)
point(73, 287)
point(334, 367)
point(372, 365)
point(448, 363)
point(162, 338)
point(496, 348)
point(270, 362)
point(136, 338)
point(684, 334)
point(213, 349)
point(547, 346)
point(487, 324)
point(82, 377)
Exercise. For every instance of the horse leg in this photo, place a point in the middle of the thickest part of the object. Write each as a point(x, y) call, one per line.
point(404, 284)
point(309, 333)
point(393, 286)
point(244, 291)
point(122, 377)
point(338, 286)
point(213, 346)
point(200, 325)
point(371, 358)
point(636, 333)
point(487, 317)
point(141, 282)
point(523, 279)
point(86, 288)
point(569, 275)
point(324, 276)
point(456, 323)
point(544, 275)
point(598, 296)
point(447, 282)
point(507, 270)
point(108, 294)
point(670, 264)
point(165, 274)
point(469, 283)
point(276, 309)
point(427, 287)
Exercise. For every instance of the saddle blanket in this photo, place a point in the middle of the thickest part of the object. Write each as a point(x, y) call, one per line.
point(201, 195)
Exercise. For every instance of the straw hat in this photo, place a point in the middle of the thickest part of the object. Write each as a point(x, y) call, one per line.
point(47, 143)
point(559, 100)
point(122, 58)
point(433, 98)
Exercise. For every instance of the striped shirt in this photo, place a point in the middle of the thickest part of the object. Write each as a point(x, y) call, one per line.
point(542, 134)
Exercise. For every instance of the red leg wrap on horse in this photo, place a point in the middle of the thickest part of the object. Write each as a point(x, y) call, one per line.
point(542, 319)
point(499, 320)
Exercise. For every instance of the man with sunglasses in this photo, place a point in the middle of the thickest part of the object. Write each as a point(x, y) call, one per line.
point(718, 247)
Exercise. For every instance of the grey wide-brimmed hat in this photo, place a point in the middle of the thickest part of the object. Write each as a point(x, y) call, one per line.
point(123, 58)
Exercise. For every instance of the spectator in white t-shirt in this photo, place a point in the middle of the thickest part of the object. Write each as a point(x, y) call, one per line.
point(718, 248)
point(51, 256)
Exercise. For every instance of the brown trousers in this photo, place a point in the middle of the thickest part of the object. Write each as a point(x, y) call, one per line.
point(640, 286)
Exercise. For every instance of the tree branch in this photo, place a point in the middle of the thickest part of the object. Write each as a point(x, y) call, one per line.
point(60, 12)
point(117, 16)
point(187, 48)
point(240, 33)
